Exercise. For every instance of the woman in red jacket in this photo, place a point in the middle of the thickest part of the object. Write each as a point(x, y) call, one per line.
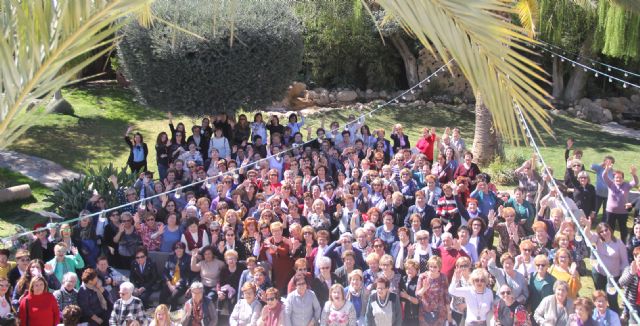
point(39, 307)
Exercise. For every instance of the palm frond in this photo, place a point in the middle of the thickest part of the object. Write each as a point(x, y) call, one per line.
point(484, 45)
point(528, 13)
point(39, 37)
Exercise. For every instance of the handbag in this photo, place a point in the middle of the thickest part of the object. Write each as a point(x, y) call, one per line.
point(431, 316)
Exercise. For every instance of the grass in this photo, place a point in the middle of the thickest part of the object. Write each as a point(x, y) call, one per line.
point(93, 137)
point(22, 212)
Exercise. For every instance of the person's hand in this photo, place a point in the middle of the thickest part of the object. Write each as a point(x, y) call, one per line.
point(573, 270)
point(628, 205)
point(74, 250)
point(161, 229)
point(129, 128)
point(519, 260)
point(569, 143)
point(448, 227)
point(187, 308)
point(97, 319)
point(447, 131)
point(492, 255)
point(500, 209)
point(634, 170)
point(222, 295)
point(491, 217)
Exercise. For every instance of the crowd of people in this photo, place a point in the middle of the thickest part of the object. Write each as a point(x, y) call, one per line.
point(346, 228)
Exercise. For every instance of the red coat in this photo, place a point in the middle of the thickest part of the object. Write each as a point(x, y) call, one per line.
point(425, 146)
point(449, 258)
point(43, 310)
point(281, 264)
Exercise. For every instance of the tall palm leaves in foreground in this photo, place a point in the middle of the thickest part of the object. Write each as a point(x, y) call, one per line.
point(485, 46)
point(39, 37)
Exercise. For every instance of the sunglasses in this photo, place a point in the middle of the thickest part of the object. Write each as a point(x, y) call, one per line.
point(140, 257)
point(541, 265)
point(271, 299)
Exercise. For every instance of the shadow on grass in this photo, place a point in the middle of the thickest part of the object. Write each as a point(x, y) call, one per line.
point(74, 145)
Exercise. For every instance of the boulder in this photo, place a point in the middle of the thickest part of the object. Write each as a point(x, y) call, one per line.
point(431, 105)
point(635, 98)
point(383, 94)
point(15, 193)
point(584, 101)
point(323, 98)
point(607, 116)
point(619, 104)
point(346, 96)
point(60, 106)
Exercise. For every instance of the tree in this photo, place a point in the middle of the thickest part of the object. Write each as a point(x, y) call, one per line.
point(246, 55)
point(39, 38)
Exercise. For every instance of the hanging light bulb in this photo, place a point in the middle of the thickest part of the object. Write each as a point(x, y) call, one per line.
point(553, 56)
point(597, 74)
point(413, 91)
point(562, 59)
point(626, 74)
point(585, 69)
point(624, 85)
point(573, 64)
point(428, 80)
point(610, 80)
point(608, 68)
point(395, 101)
point(404, 98)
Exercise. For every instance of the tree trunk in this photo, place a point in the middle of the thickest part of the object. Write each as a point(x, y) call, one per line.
point(487, 143)
point(557, 76)
point(576, 86)
point(409, 59)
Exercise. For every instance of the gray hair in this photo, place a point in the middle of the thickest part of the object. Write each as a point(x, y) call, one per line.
point(70, 277)
point(559, 284)
point(196, 285)
point(127, 286)
point(324, 261)
point(446, 235)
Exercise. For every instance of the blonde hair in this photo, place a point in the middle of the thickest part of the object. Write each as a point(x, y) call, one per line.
point(161, 309)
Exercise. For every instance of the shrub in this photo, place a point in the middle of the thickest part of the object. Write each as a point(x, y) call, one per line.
point(502, 170)
point(71, 196)
point(173, 70)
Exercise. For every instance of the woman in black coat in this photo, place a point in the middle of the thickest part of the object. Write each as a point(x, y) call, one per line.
point(584, 194)
point(94, 300)
point(407, 287)
point(138, 152)
point(400, 140)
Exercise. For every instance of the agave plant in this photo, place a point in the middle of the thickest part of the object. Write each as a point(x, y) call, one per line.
point(70, 198)
point(99, 181)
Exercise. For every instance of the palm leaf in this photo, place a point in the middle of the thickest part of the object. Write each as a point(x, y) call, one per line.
point(631, 5)
point(528, 13)
point(39, 37)
point(485, 46)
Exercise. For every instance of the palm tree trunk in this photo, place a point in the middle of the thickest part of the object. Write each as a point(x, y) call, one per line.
point(557, 76)
point(409, 59)
point(578, 81)
point(487, 143)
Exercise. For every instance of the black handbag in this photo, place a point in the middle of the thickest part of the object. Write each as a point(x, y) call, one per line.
point(431, 316)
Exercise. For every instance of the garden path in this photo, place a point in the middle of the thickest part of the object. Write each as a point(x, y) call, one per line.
point(44, 171)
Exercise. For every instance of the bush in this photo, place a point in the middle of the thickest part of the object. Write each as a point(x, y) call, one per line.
point(502, 170)
point(71, 196)
point(173, 70)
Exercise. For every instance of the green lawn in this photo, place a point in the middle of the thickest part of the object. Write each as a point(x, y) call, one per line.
point(21, 212)
point(93, 137)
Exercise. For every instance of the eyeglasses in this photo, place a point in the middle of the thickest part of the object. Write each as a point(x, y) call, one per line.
point(479, 281)
point(423, 238)
point(505, 292)
point(541, 265)
point(23, 259)
point(464, 266)
point(526, 250)
point(437, 227)
point(192, 166)
point(307, 233)
point(229, 234)
point(378, 246)
point(150, 219)
point(271, 299)
point(302, 269)
point(227, 182)
point(140, 257)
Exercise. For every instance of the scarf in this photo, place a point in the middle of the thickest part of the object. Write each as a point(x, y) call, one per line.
point(103, 301)
point(273, 314)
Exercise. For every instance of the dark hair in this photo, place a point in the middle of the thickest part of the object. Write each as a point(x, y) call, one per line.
point(88, 275)
point(141, 249)
point(465, 228)
point(71, 315)
point(141, 138)
point(101, 258)
point(159, 138)
point(179, 244)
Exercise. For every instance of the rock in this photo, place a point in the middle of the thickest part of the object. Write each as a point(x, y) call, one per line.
point(60, 106)
point(383, 94)
point(571, 110)
point(431, 105)
point(584, 101)
point(346, 96)
point(619, 104)
point(558, 112)
point(419, 103)
point(332, 97)
point(602, 103)
point(409, 97)
point(15, 193)
point(635, 98)
point(312, 95)
point(323, 98)
point(607, 116)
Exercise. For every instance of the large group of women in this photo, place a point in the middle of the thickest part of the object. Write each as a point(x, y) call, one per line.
point(346, 228)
